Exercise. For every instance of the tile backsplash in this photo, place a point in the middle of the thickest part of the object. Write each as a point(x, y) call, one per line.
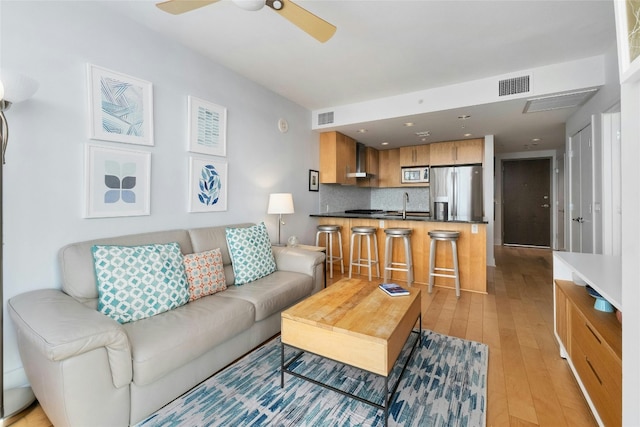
point(338, 198)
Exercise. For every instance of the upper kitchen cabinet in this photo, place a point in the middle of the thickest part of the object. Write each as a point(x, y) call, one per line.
point(337, 158)
point(416, 155)
point(464, 152)
point(389, 168)
point(372, 167)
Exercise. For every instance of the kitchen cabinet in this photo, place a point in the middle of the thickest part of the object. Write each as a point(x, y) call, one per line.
point(463, 152)
point(589, 339)
point(372, 162)
point(337, 158)
point(389, 168)
point(416, 155)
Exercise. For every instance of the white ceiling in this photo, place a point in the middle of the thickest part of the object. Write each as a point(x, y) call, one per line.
point(389, 47)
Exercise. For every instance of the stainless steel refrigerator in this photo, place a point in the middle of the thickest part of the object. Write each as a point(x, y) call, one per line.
point(461, 188)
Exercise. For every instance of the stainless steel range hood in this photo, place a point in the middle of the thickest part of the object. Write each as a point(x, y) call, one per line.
point(361, 163)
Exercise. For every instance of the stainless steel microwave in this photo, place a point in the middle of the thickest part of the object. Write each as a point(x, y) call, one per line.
point(415, 174)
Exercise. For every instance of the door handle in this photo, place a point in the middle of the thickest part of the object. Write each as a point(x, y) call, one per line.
point(578, 220)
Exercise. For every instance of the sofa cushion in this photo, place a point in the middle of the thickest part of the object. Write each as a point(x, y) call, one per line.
point(250, 251)
point(272, 293)
point(205, 274)
point(163, 343)
point(135, 282)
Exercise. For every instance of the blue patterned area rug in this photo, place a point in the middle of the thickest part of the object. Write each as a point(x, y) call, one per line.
point(445, 384)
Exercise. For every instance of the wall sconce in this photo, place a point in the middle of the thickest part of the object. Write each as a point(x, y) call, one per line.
point(14, 88)
point(280, 203)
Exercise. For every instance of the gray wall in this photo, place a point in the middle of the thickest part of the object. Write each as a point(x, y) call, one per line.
point(44, 194)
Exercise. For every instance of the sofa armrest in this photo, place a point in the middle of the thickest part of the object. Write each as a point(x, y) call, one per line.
point(297, 260)
point(60, 328)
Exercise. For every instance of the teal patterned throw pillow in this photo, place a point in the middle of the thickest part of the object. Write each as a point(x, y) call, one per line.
point(250, 251)
point(135, 282)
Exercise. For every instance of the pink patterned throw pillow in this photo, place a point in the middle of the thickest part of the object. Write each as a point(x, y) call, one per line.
point(205, 273)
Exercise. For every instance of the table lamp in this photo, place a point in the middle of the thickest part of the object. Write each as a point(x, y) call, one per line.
point(280, 203)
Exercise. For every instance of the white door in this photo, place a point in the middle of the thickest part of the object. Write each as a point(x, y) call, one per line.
point(575, 237)
point(581, 192)
point(587, 226)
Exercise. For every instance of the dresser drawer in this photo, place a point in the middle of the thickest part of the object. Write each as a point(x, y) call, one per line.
point(598, 367)
point(584, 334)
point(602, 392)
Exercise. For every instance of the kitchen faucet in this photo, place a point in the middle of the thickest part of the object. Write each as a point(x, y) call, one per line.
point(405, 200)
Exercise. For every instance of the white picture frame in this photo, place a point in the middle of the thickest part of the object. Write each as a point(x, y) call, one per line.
point(120, 107)
point(117, 182)
point(627, 14)
point(207, 131)
point(207, 184)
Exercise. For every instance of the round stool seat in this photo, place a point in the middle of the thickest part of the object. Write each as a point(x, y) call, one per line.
point(369, 233)
point(328, 228)
point(363, 230)
point(434, 271)
point(398, 231)
point(389, 264)
point(444, 234)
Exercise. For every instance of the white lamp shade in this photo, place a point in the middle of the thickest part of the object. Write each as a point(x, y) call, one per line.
point(16, 87)
point(280, 203)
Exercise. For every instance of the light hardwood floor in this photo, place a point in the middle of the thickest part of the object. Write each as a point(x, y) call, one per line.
point(528, 383)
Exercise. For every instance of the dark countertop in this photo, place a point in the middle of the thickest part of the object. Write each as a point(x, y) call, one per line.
point(394, 217)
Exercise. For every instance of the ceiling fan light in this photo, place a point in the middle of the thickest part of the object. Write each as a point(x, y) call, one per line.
point(250, 4)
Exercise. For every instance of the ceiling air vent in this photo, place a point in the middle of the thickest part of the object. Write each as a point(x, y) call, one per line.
point(514, 85)
point(557, 101)
point(325, 118)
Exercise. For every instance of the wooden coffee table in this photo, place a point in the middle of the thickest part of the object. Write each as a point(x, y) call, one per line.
point(355, 323)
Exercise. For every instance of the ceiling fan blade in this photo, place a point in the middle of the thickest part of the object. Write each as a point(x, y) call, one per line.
point(316, 27)
point(176, 7)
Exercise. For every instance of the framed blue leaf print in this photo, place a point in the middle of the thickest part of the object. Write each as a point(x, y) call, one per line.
point(207, 185)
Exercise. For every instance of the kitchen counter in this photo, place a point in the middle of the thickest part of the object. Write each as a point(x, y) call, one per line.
point(472, 246)
point(395, 215)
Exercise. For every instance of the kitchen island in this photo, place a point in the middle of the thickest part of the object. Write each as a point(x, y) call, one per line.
point(472, 257)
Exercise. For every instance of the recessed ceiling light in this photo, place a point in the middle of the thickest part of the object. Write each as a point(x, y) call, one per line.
point(535, 139)
point(423, 133)
point(361, 130)
point(468, 134)
point(409, 124)
point(464, 117)
point(384, 143)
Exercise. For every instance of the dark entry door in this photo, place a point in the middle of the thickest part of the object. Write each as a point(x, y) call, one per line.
point(526, 196)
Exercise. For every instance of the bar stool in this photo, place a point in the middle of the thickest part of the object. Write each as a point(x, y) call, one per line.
point(389, 264)
point(360, 232)
point(329, 231)
point(444, 236)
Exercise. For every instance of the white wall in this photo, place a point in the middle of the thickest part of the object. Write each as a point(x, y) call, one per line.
point(43, 177)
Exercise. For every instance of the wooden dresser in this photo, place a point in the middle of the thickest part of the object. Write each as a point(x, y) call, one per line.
point(589, 339)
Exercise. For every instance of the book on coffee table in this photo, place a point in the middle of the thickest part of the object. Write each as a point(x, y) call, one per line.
point(393, 289)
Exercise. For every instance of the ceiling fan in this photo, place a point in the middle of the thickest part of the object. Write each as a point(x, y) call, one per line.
point(316, 27)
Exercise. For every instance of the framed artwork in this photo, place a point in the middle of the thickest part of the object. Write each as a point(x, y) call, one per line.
point(207, 127)
point(207, 185)
point(314, 180)
point(628, 34)
point(117, 182)
point(120, 107)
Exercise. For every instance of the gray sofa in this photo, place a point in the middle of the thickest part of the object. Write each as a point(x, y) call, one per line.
point(86, 369)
